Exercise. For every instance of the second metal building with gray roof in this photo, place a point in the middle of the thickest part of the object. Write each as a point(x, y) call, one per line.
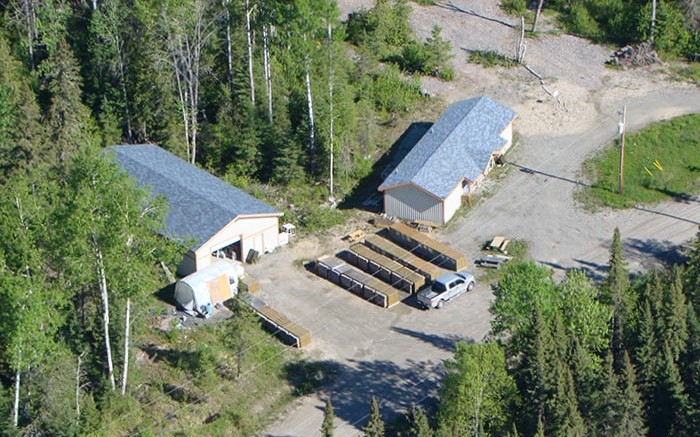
point(449, 161)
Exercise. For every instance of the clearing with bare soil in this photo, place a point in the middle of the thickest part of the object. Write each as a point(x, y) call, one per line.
point(396, 354)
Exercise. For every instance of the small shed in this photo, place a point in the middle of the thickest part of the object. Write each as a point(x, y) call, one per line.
point(449, 161)
point(213, 284)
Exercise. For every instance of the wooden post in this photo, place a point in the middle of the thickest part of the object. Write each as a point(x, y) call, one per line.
point(621, 129)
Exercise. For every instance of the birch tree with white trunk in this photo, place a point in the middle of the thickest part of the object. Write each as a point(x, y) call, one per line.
point(186, 29)
point(28, 304)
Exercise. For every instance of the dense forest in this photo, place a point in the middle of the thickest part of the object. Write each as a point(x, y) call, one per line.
point(673, 26)
point(286, 101)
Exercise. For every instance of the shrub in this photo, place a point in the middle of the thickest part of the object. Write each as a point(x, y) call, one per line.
point(515, 7)
point(392, 94)
point(580, 22)
point(490, 59)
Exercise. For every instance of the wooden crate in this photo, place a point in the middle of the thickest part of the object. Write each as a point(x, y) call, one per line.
point(430, 249)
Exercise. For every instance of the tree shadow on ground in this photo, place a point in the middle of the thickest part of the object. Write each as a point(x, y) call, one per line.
point(189, 361)
point(653, 252)
point(395, 387)
point(446, 342)
point(365, 195)
point(678, 196)
point(592, 270)
point(166, 294)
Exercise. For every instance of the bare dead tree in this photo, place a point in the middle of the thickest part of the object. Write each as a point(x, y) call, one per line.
point(266, 68)
point(537, 15)
point(188, 30)
point(522, 47)
point(249, 41)
point(653, 21)
point(229, 56)
point(23, 13)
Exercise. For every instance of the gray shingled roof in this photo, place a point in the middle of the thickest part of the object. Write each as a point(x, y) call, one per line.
point(200, 204)
point(458, 146)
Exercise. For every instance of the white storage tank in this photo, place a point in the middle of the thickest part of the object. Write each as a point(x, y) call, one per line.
point(203, 289)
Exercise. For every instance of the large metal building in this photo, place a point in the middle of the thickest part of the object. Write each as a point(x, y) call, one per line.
point(449, 161)
point(220, 220)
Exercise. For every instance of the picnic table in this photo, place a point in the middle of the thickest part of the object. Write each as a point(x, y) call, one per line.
point(499, 243)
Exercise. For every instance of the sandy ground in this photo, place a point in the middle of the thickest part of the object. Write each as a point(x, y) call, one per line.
point(396, 354)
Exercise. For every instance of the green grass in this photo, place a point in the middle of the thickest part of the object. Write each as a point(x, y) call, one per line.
point(517, 249)
point(674, 144)
point(689, 72)
point(187, 381)
point(491, 59)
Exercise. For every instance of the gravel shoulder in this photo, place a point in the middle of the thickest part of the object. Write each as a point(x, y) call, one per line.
point(396, 354)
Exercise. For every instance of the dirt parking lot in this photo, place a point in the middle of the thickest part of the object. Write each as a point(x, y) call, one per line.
point(395, 354)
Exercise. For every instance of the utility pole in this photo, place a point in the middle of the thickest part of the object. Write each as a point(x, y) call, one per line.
point(621, 131)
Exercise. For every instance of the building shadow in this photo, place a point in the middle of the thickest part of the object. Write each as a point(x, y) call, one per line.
point(365, 195)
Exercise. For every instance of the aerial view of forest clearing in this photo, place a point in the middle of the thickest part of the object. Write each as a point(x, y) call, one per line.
point(304, 105)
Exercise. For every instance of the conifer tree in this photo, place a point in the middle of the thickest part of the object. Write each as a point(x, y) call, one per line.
point(608, 414)
point(646, 355)
point(418, 425)
point(674, 314)
point(375, 426)
point(670, 407)
point(690, 367)
point(692, 273)
point(20, 131)
point(587, 382)
point(533, 371)
point(654, 291)
point(566, 418)
point(328, 416)
point(70, 126)
point(631, 417)
point(617, 282)
point(615, 291)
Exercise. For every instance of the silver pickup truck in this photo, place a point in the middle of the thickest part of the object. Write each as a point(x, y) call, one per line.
point(444, 288)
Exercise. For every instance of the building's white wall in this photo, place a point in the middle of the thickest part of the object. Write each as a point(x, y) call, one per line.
point(452, 202)
point(507, 135)
point(410, 203)
point(259, 233)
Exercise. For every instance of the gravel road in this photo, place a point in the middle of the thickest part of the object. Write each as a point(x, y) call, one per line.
point(396, 354)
